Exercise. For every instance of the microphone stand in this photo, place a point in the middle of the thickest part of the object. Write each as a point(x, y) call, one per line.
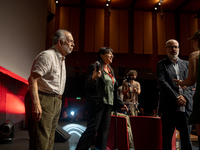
point(115, 130)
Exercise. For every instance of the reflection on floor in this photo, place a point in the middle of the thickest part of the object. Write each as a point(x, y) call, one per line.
point(20, 140)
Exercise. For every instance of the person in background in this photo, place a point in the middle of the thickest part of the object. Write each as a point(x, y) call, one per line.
point(194, 77)
point(101, 98)
point(175, 102)
point(131, 89)
point(119, 90)
point(46, 86)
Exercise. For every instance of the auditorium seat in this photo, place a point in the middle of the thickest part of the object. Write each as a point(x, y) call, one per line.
point(122, 134)
point(147, 133)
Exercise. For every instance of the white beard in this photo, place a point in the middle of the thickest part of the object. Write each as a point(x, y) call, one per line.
point(67, 49)
point(172, 57)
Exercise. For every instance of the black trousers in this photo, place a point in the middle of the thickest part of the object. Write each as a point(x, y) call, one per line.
point(97, 122)
point(180, 121)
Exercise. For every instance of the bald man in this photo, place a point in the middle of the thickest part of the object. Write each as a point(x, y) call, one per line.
point(175, 102)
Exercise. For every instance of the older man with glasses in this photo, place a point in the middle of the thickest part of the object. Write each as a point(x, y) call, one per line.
point(46, 86)
point(175, 102)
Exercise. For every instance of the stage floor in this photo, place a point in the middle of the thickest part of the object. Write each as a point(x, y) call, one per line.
point(20, 140)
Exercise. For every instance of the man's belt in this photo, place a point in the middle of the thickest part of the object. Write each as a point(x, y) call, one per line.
point(51, 95)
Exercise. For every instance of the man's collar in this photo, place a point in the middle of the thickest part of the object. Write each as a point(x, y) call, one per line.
point(58, 53)
point(173, 60)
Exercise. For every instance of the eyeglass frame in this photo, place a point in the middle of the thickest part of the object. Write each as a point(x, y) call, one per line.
point(172, 47)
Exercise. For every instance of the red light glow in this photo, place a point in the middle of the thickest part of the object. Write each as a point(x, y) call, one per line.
point(14, 104)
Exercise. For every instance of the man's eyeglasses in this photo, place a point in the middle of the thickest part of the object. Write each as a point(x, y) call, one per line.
point(71, 41)
point(172, 47)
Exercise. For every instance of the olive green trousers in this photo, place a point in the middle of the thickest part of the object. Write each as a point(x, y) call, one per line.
point(42, 133)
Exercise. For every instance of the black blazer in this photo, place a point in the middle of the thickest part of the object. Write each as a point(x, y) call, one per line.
point(168, 88)
point(95, 92)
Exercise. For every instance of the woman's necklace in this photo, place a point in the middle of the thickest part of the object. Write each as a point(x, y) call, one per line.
point(110, 74)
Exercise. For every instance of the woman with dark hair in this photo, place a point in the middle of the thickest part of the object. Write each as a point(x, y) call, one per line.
point(194, 77)
point(101, 99)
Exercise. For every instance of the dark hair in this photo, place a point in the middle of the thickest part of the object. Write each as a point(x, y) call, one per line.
point(199, 43)
point(132, 73)
point(102, 51)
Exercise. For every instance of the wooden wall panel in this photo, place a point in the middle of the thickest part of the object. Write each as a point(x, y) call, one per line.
point(148, 36)
point(114, 30)
point(123, 31)
point(184, 34)
point(64, 17)
point(170, 26)
point(70, 20)
point(89, 30)
point(165, 30)
point(138, 32)
point(75, 26)
point(143, 36)
point(188, 27)
point(99, 29)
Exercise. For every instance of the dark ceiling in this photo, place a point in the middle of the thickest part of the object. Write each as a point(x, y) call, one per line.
point(187, 6)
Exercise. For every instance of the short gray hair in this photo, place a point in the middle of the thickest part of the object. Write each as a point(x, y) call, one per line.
point(170, 40)
point(60, 35)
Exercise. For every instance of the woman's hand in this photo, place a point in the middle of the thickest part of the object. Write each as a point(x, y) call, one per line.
point(179, 83)
point(96, 74)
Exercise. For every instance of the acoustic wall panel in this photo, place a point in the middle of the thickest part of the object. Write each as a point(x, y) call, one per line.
point(94, 29)
point(70, 20)
point(165, 30)
point(138, 32)
point(161, 34)
point(64, 17)
point(148, 36)
point(170, 26)
point(184, 34)
point(119, 31)
point(99, 29)
point(89, 30)
point(143, 36)
point(74, 26)
point(114, 30)
point(123, 31)
point(188, 26)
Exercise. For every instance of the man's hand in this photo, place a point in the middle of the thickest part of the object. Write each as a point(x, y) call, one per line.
point(36, 111)
point(181, 100)
point(124, 108)
point(135, 90)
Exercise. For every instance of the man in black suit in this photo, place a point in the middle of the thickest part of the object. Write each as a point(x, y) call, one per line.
point(175, 102)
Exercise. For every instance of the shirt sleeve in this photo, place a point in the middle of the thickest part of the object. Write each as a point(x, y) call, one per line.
point(42, 64)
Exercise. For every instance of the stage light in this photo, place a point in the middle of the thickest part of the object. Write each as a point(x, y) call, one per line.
point(158, 4)
point(6, 132)
point(72, 113)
